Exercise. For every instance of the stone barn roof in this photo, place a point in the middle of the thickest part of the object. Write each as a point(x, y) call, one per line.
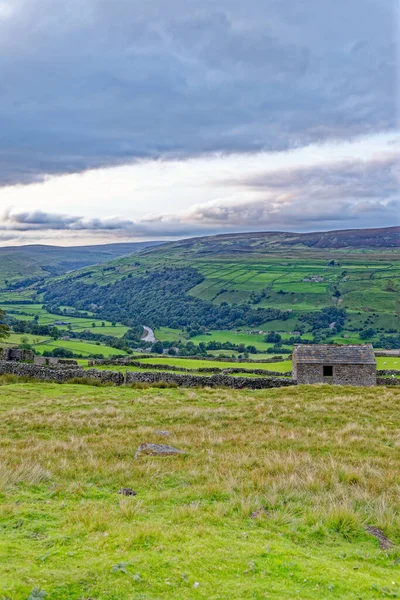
point(330, 354)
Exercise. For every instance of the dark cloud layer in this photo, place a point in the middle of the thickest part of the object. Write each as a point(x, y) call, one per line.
point(87, 83)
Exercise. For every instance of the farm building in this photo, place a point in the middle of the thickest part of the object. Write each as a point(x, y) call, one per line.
point(336, 365)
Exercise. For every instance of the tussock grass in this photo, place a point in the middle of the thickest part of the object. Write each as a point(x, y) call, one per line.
point(89, 381)
point(270, 500)
point(10, 378)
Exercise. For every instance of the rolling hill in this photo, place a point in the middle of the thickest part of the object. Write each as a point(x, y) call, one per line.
point(36, 261)
point(358, 240)
point(228, 287)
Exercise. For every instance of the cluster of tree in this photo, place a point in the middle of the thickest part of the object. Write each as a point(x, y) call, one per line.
point(22, 283)
point(190, 349)
point(367, 334)
point(389, 342)
point(34, 328)
point(324, 318)
point(158, 299)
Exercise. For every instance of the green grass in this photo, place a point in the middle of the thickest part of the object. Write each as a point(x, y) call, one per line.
point(78, 324)
point(233, 337)
point(281, 366)
point(388, 362)
point(170, 335)
point(17, 338)
point(79, 347)
point(322, 462)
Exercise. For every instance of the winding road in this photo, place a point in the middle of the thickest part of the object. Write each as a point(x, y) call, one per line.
point(148, 335)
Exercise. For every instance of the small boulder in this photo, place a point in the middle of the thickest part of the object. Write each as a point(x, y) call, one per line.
point(384, 541)
point(163, 433)
point(127, 492)
point(156, 450)
point(258, 513)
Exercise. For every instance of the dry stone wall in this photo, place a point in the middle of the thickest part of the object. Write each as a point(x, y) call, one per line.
point(60, 375)
point(384, 372)
point(388, 381)
point(212, 381)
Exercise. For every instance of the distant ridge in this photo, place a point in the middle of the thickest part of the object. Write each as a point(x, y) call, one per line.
point(274, 241)
point(36, 261)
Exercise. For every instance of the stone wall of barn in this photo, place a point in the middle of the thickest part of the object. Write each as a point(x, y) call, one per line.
point(343, 374)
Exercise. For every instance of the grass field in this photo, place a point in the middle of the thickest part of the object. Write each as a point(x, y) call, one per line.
point(317, 465)
point(294, 279)
point(197, 364)
point(299, 281)
point(79, 347)
point(78, 324)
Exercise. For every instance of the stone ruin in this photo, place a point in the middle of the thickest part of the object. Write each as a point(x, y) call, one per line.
point(52, 361)
point(17, 355)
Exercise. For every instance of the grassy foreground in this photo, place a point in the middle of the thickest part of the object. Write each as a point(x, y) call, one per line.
point(322, 462)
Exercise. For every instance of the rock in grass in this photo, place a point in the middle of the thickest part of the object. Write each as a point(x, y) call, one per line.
point(127, 492)
point(163, 433)
point(156, 450)
point(384, 541)
point(258, 513)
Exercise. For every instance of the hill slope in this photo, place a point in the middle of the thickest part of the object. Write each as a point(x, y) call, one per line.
point(21, 262)
point(295, 273)
point(271, 242)
point(234, 284)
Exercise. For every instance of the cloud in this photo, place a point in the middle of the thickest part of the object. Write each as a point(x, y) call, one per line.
point(92, 83)
point(336, 194)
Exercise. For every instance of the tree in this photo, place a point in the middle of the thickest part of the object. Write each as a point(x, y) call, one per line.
point(157, 348)
point(273, 338)
point(4, 330)
point(55, 334)
point(368, 333)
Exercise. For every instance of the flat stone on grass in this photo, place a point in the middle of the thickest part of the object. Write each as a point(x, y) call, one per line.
point(156, 450)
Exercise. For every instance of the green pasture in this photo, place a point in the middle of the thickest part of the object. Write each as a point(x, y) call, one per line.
point(77, 323)
point(388, 362)
point(233, 337)
point(271, 498)
point(79, 347)
point(167, 334)
point(282, 366)
point(284, 285)
point(17, 339)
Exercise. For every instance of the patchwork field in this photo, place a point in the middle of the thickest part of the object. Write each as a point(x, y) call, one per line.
point(28, 312)
point(271, 499)
point(366, 284)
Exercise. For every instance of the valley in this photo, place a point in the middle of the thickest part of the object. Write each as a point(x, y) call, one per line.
point(249, 295)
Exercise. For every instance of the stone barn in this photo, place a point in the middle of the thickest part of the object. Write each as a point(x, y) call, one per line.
point(335, 365)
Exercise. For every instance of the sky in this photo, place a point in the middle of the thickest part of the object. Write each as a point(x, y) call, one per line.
point(123, 120)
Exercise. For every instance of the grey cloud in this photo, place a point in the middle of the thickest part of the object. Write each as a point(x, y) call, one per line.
point(378, 178)
point(340, 195)
point(88, 83)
